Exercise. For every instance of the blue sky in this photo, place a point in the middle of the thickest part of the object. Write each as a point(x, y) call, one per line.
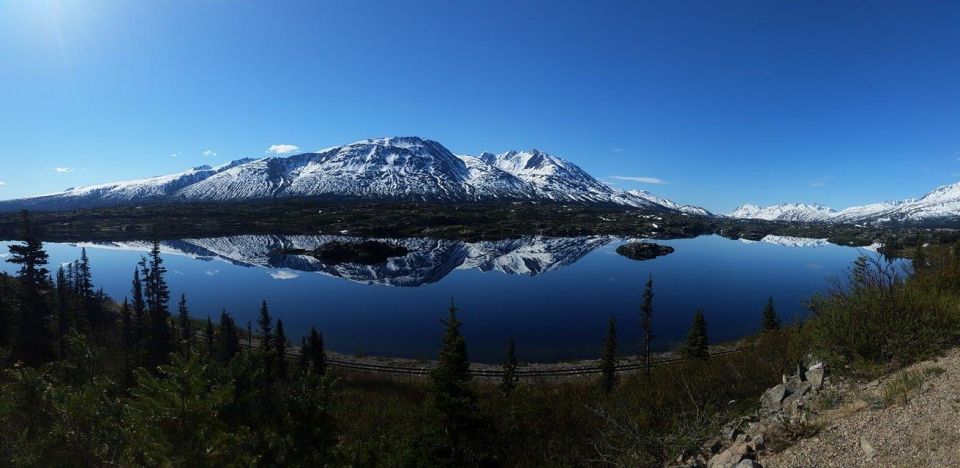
point(726, 102)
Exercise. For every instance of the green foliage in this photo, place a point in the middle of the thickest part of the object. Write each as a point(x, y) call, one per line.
point(227, 339)
point(184, 326)
point(452, 395)
point(646, 325)
point(898, 390)
point(608, 363)
point(280, 351)
point(697, 345)
point(771, 322)
point(172, 419)
point(312, 353)
point(881, 317)
point(34, 341)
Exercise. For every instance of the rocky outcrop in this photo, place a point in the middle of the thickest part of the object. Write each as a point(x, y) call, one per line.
point(644, 250)
point(785, 405)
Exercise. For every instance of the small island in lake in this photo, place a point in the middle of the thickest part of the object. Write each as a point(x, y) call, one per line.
point(644, 250)
point(365, 253)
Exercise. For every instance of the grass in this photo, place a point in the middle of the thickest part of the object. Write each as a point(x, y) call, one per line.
point(897, 391)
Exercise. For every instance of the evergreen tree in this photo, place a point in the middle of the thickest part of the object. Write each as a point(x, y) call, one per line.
point(307, 427)
point(697, 346)
point(919, 254)
point(138, 318)
point(266, 345)
point(175, 419)
point(64, 299)
point(608, 364)
point(183, 325)
point(646, 325)
point(280, 344)
point(128, 342)
point(228, 340)
point(34, 340)
point(509, 380)
point(157, 295)
point(770, 320)
point(312, 354)
point(249, 334)
point(451, 392)
point(6, 309)
point(84, 276)
point(208, 332)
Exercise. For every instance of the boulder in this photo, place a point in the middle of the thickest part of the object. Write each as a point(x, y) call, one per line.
point(748, 463)
point(713, 446)
point(815, 375)
point(731, 456)
point(772, 397)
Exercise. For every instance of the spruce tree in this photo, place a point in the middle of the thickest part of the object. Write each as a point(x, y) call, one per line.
point(608, 363)
point(228, 340)
point(138, 318)
point(770, 320)
point(34, 340)
point(509, 379)
point(157, 295)
point(313, 354)
point(183, 325)
point(64, 300)
point(646, 325)
point(451, 393)
point(128, 341)
point(697, 346)
point(919, 254)
point(209, 335)
point(280, 348)
point(5, 309)
point(266, 345)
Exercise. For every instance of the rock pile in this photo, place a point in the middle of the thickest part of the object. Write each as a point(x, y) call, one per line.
point(784, 405)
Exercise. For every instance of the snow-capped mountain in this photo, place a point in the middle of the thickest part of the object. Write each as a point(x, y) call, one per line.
point(941, 204)
point(399, 168)
point(427, 261)
point(785, 212)
point(689, 209)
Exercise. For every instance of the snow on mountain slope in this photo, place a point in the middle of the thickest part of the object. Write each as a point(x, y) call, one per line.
point(552, 178)
point(397, 168)
point(785, 212)
point(941, 204)
point(149, 189)
point(689, 209)
point(427, 261)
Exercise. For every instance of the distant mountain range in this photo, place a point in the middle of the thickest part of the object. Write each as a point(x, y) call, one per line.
point(401, 168)
point(942, 204)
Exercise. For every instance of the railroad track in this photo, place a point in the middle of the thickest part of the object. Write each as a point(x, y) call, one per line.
point(521, 373)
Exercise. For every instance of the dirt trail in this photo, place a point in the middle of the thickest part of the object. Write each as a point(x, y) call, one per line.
point(868, 429)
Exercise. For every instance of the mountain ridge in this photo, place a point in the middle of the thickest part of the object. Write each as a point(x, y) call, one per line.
point(383, 169)
point(941, 203)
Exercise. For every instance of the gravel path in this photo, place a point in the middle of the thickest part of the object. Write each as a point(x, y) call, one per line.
point(866, 431)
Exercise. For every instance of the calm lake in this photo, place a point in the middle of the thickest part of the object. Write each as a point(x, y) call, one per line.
point(552, 295)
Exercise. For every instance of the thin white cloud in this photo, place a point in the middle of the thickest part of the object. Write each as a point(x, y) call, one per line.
point(173, 155)
point(282, 149)
point(821, 181)
point(283, 275)
point(209, 153)
point(63, 170)
point(2, 183)
point(617, 150)
point(642, 180)
point(212, 272)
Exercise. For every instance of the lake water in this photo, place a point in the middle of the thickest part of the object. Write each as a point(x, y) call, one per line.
point(553, 296)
